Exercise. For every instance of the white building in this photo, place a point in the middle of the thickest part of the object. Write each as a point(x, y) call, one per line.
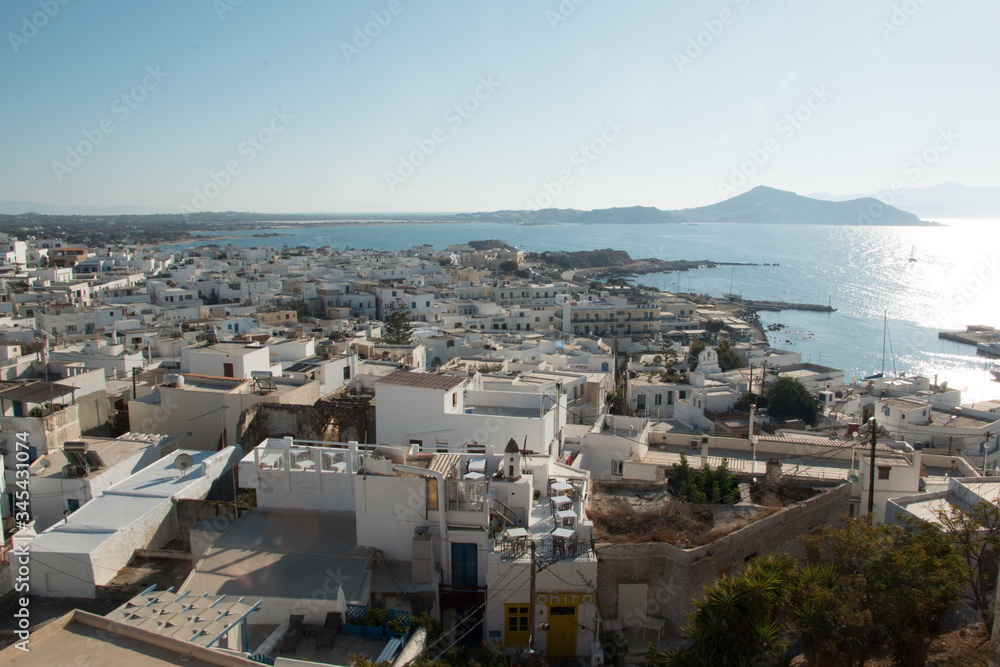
point(443, 413)
point(65, 479)
point(72, 558)
point(231, 360)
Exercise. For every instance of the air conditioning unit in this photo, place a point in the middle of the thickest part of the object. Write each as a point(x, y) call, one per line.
point(695, 443)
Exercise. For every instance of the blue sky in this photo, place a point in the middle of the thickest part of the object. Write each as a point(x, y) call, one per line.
point(290, 106)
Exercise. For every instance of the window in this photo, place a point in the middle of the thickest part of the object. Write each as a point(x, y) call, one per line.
point(465, 495)
point(432, 493)
point(883, 472)
point(617, 467)
point(454, 400)
point(347, 372)
point(227, 370)
point(658, 399)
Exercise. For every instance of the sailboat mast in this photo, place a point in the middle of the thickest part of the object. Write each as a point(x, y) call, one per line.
point(885, 329)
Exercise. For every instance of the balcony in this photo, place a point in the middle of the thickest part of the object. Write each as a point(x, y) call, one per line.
point(462, 597)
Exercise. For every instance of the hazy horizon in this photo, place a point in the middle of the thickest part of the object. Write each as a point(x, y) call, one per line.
point(400, 107)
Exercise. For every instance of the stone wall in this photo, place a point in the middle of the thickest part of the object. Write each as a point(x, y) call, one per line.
point(337, 420)
point(674, 577)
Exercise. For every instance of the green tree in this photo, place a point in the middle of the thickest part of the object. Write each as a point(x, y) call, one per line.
point(740, 621)
point(508, 266)
point(788, 398)
point(300, 307)
point(870, 587)
point(748, 399)
point(704, 485)
point(728, 357)
point(829, 620)
point(398, 327)
point(975, 533)
point(908, 576)
point(693, 351)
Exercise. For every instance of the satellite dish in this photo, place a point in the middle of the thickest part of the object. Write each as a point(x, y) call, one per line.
point(45, 463)
point(183, 462)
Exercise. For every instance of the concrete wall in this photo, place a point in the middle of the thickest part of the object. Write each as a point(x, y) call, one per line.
point(46, 433)
point(388, 510)
point(675, 577)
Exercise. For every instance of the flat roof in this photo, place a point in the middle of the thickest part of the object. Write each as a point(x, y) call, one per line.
point(283, 554)
point(230, 348)
point(111, 451)
point(124, 503)
point(36, 392)
point(439, 381)
point(906, 404)
point(99, 640)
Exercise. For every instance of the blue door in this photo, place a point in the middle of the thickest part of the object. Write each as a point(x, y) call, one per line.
point(464, 565)
point(465, 574)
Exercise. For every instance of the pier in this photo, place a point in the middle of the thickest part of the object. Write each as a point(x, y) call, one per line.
point(973, 335)
point(784, 305)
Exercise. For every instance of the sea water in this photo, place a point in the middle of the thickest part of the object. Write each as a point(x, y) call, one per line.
point(865, 272)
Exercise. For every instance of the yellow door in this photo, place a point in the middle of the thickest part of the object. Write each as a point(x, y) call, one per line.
point(516, 625)
point(561, 640)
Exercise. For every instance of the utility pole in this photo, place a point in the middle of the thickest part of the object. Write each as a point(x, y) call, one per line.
point(871, 474)
point(531, 609)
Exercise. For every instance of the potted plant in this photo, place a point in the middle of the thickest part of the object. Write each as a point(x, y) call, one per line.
point(374, 620)
point(397, 627)
point(352, 627)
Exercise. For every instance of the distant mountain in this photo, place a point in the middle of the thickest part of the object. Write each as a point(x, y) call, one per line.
point(760, 205)
point(633, 215)
point(764, 204)
point(947, 200)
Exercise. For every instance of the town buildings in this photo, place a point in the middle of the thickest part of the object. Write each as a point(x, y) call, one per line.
point(191, 403)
